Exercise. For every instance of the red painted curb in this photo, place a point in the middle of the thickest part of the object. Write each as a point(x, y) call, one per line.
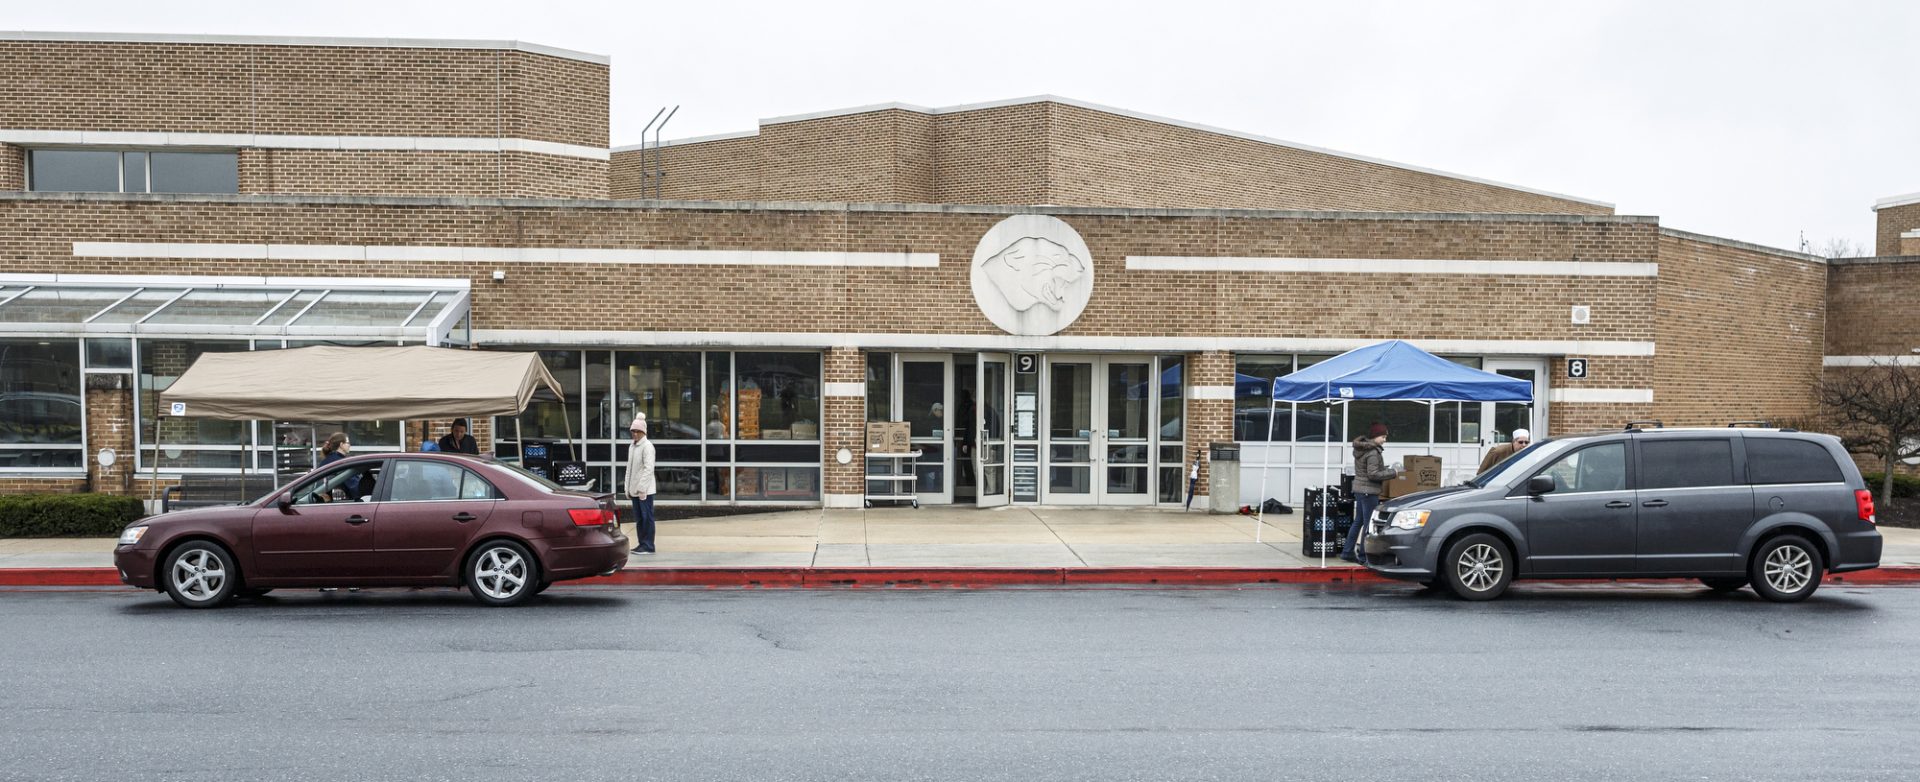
point(953, 578)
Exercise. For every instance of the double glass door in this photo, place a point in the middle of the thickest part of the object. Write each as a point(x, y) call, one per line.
point(1099, 417)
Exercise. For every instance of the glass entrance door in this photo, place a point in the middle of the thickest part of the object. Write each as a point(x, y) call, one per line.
point(1503, 417)
point(990, 425)
point(926, 397)
point(1100, 432)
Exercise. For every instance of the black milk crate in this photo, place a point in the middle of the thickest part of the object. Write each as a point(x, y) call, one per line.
point(1337, 505)
point(1335, 529)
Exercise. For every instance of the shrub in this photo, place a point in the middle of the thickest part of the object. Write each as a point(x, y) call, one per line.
point(1903, 485)
point(63, 515)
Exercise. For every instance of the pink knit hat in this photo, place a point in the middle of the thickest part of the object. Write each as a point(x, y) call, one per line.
point(639, 423)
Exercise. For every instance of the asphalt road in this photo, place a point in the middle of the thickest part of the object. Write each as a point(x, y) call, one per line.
point(1335, 683)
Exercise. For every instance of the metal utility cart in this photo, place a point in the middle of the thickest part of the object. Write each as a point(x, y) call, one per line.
point(890, 477)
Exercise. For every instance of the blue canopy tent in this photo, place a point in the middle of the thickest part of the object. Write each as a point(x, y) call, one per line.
point(1389, 371)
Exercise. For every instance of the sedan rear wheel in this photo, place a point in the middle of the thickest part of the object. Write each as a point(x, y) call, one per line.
point(1478, 567)
point(1786, 569)
point(200, 574)
point(502, 573)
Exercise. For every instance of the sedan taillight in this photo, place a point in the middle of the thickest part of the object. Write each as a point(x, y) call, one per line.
point(590, 517)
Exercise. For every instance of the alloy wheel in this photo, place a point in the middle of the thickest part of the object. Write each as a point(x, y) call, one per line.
point(1788, 568)
point(1480, 567)
point(199, 575)
point(500, 573)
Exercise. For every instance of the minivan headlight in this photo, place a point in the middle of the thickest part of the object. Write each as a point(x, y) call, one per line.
point(132, 535)
point(1410, 519)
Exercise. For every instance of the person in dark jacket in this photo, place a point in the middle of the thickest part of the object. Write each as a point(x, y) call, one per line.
point(1370, 470)
point(456, 440)
point(336, 448)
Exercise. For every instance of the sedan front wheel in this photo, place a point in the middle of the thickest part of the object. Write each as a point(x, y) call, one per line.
point(502, 573)
point(200, 574)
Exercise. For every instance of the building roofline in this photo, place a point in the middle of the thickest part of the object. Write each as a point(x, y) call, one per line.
point(300, 40)
point(1740, 245)
point(1873, 259)
point(965, 107)
point(820, 206)
point(1899, 200)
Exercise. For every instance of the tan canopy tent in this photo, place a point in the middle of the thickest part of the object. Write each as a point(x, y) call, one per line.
point(327, 383)
point(356, 384)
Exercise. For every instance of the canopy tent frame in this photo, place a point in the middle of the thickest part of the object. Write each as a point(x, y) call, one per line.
point(437, 383)
point(1467, 384)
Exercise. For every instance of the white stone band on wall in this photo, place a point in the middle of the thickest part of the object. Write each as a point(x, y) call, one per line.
point(1393, 266)
point(1211, 393)
point(590, 255)
point(1601, 396)
point(273, 141)
point(844, 389)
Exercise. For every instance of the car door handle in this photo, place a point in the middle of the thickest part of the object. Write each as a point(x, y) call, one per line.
point(464, 517)
point(1619, 504)
point(1654, 504)
point(357, 519)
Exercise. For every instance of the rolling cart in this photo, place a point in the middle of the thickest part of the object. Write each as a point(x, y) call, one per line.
point(890, 477)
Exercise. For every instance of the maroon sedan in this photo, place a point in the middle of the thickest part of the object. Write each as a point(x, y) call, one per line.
point(413, 519)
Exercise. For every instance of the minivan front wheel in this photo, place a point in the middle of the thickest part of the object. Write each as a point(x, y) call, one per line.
point(1478, 567)
point(1786, 569)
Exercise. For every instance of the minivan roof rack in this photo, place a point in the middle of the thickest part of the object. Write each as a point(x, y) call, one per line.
point(1635, 426)
point(1755, 424)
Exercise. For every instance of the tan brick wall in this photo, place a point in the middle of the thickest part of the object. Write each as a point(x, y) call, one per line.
point(392, 172)
point(1741, 334)
point(19, 485)
point(1870, 307)
point(13, 167)
point(1056, 153)
point(1208, 420)
point(327, 91)
point(110, 425)
point(1889, 224)
point(844, 422)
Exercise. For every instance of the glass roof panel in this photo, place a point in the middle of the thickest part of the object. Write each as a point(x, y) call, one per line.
point(135, 308)
point(291, 309)
point(433, 309)
point(388, 309)
point(221, 307)
point(59, 305)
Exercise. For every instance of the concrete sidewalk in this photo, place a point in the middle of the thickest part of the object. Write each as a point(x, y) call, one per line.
point(935, 537)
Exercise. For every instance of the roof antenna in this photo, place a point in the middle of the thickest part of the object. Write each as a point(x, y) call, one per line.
point(659, 171)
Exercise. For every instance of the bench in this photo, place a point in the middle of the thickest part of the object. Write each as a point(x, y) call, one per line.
point(202, 491)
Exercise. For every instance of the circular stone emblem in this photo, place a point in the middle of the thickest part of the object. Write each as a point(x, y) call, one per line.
point(1032, 275)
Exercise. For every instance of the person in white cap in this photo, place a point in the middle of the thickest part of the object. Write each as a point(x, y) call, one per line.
point(1521, 439)
point(640, 484)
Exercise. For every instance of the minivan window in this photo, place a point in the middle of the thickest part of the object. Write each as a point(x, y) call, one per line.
point(1782, 460)
point(1599, 468)
point(1679, 464)
point(1521, 457)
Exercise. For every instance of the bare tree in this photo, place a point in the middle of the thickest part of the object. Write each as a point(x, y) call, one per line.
point(1875, 410)
point(1836, 247)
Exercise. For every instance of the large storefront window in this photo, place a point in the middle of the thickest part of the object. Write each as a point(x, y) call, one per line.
point(40, 405)
point(185, 443)
point(726, 426)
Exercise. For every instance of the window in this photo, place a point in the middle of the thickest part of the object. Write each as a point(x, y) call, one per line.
point(356, 483)
point(665, 386)
point(1599, 468)
point(108, 171)
point(185, 443)
point(1778, 460)
point(1406, 421)
point(1172, 400)
point(777, 396)
point(879, 386)
point(419, 480)
point(40, 404)
point(1252, 382)
point(1678, 464)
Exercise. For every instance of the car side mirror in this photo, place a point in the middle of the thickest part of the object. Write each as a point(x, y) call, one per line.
point(285, 502)
point(1540, 484)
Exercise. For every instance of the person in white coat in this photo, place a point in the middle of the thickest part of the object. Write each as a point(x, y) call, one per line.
point(640, 483)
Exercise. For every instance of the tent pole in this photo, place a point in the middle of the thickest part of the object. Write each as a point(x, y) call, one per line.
point(1266, 462)
point(153, 483)
point(519, 442)
point(1326, 460)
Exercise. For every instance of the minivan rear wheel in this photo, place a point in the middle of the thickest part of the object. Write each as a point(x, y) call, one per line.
point(1786, 569)
point(1477, 567)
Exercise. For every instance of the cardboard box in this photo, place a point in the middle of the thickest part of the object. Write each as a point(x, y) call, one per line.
point(888, 437)
point(1423, 473)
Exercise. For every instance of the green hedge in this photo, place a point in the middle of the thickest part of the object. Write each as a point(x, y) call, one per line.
point(66, 515)
point(1903, 485)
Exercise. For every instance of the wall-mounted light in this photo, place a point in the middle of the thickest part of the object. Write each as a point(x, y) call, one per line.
point(499, 275)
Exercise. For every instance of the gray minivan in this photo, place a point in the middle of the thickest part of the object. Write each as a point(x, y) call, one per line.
point(1774, 508)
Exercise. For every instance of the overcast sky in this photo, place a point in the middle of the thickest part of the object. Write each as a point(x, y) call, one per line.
point(1750, 120)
